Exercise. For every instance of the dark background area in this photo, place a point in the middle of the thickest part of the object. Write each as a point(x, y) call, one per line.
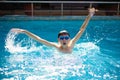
point(60, 0)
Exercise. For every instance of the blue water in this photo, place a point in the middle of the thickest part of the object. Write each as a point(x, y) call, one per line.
point(96, 56)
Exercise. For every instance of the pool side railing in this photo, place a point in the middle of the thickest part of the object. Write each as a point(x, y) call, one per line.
point(62, 11)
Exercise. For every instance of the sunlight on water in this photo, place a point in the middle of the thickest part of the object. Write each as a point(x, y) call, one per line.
point(32, 62)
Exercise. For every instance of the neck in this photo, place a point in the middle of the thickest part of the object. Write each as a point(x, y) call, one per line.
point(64, 46)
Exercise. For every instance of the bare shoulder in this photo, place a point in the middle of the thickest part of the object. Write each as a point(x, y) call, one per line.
point(55, 44)
point(71, 43)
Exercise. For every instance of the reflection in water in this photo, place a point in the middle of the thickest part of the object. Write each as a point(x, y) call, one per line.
point(28, 61)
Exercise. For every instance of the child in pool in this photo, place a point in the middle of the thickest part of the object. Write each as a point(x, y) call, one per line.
point(65, 44)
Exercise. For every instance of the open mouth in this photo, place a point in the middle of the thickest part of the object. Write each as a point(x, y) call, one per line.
point(64, 43)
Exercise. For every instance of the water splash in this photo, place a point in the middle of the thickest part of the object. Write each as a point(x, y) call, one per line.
point(32, 62)
point(14, 46)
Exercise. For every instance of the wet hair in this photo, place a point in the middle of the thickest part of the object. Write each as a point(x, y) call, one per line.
point(63, 32)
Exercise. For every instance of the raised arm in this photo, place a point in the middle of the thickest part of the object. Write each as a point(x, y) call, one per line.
point(37, 38)
point(84, 25)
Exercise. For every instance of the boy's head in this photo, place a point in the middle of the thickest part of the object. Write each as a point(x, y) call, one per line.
point(63, 32)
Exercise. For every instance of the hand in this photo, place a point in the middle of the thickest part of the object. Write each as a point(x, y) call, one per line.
point(92, 11)
point(17, 30)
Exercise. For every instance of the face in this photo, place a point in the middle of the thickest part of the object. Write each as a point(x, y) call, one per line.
point(64, 39)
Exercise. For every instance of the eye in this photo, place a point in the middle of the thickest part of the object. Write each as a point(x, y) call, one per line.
point(66, 37)
point(61, 38)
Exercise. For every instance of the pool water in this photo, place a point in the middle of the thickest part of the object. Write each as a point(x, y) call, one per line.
point(96, 55)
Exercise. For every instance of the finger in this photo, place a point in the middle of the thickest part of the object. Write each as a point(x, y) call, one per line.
point(96, 10)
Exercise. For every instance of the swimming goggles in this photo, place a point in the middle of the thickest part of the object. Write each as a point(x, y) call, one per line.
point(64, 37)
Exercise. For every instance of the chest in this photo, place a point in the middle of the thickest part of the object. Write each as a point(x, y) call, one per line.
point(65, 50)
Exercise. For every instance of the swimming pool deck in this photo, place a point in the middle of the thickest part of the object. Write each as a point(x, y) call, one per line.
point(24, 17)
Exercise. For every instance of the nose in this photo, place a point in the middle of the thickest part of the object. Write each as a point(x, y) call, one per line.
point(64, 39)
